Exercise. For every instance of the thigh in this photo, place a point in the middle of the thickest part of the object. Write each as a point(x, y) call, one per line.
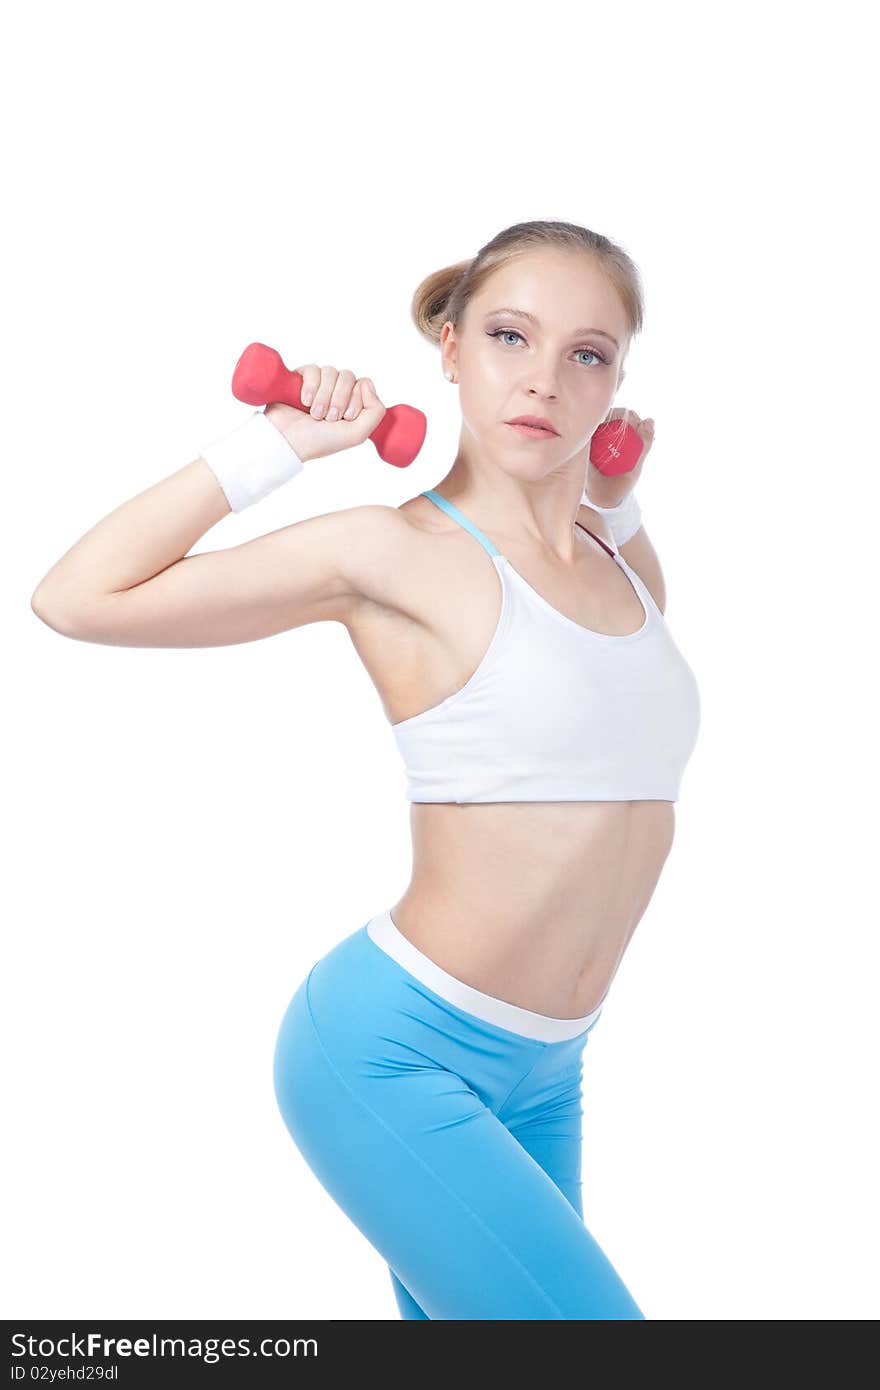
point(471, 1224)
point(549, 1127)
point(552, 1136)
point(407, 1306)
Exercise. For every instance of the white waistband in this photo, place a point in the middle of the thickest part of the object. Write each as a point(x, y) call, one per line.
point(387, 935)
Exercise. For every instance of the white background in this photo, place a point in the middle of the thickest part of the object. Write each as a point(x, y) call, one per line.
point(187, 831)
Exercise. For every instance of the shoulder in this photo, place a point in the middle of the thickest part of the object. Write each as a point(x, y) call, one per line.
point(381, 548)
point(385, 522)
point(368, 531)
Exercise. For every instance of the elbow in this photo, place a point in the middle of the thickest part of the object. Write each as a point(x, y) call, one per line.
point(50, 612)
point(40, 606)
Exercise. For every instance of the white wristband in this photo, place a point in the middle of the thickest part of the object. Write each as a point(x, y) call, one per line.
point(252, 461)
point(623, 520)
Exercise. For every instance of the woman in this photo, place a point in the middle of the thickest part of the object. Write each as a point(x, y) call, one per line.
point(429, 1067)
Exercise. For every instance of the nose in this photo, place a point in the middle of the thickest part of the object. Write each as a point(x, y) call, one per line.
point(543, 383)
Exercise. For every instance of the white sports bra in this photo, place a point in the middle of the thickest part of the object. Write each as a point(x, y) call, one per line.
point(556, 711)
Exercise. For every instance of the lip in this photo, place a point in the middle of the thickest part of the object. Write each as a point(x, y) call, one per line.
point(536, 422)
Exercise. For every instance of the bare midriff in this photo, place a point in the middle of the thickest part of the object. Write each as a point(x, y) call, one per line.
point(533, 902)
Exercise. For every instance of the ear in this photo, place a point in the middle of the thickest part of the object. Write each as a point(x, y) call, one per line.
point(447, 355)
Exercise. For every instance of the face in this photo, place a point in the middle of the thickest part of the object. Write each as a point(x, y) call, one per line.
point(508, 365)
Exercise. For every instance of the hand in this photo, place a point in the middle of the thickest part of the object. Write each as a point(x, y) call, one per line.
point(311, 433)
point(610, 492)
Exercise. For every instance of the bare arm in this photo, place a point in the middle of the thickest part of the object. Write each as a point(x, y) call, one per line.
point(134, 542)
point(129, 581)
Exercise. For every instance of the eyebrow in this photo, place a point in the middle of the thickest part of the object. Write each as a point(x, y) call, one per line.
point(524, 314)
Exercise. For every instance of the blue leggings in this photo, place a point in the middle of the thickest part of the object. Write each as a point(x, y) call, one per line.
point(447, 1125)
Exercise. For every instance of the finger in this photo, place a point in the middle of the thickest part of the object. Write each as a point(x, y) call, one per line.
point(356, 404)
point(311, 378)
point(324, 392)
point(340, 394)
point(371, 395)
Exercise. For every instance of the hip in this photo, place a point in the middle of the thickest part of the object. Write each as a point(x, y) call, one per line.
point(385, 1016)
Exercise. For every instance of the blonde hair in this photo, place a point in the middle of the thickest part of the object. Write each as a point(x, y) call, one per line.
point(444, 294)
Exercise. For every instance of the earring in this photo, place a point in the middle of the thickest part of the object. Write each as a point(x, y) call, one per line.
point(449, 376)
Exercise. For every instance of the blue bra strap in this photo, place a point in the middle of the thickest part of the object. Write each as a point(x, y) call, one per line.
point(451, 509)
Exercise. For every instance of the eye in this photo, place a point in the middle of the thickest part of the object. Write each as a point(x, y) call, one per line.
point(515, 333)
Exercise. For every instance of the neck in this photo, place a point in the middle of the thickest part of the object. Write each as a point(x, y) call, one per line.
point(539, 512)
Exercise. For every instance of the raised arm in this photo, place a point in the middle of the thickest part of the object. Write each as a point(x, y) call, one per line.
point(130, 582)
point(312, 571)
point(610, 491)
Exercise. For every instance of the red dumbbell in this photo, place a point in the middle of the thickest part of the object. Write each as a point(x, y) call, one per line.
point(615, 448)
point(261, 377)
